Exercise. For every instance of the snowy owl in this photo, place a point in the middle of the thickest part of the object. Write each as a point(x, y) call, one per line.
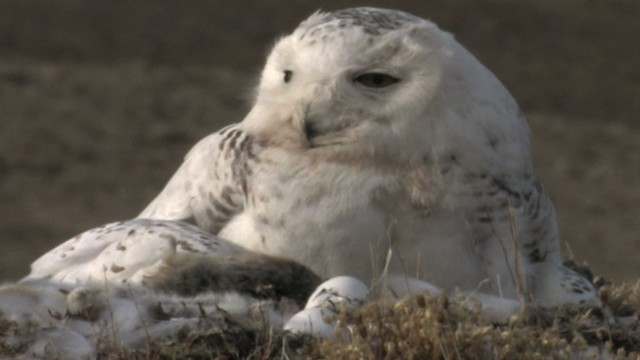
point(377, 145)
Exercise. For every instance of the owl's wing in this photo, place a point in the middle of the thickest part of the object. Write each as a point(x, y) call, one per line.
point(535, 224)
point(210, 186)
point(508, 207)
point(531, 218)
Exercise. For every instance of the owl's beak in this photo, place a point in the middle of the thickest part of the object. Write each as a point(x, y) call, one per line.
point(310, 131)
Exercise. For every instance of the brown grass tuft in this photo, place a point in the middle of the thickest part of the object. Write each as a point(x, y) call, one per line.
point(418, 327)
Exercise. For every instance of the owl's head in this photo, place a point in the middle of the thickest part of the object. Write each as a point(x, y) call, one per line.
point(375, 81)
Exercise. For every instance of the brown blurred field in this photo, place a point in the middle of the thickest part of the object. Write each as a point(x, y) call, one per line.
point(99, 101)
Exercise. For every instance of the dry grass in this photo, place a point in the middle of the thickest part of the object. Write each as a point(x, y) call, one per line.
point(233, 343)
point(420, 327)
point(423, 327)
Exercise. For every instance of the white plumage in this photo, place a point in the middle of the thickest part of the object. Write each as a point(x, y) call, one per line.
point(374, 131)
point(126, 252)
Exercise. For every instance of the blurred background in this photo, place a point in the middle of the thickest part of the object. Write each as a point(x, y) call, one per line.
point(100, 100)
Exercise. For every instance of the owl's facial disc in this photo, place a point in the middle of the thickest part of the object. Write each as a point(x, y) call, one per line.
point(340, 77)
point(374, 82)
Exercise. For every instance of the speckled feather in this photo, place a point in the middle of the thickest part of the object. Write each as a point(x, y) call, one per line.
point(213, 172)
point(125, 251)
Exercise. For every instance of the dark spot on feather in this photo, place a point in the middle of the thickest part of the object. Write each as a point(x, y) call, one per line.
point(186, 246)
point(485, 219)
point(493, 142)
point(116, 269)
point(167, 237)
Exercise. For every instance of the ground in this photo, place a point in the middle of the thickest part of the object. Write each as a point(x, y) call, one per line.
point(99, 101)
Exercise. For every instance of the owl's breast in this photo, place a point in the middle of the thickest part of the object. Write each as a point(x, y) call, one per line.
point(323, 215)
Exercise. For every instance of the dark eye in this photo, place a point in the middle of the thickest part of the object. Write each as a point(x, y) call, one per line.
point(287, 75)
point(375, 80)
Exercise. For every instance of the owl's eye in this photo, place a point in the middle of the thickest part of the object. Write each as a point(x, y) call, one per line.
point(375, 80)
point(287, 75)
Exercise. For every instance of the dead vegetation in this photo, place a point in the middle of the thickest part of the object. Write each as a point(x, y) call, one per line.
point(420, 327)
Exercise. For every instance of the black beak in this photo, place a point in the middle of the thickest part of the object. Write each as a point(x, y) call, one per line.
point(310, 131)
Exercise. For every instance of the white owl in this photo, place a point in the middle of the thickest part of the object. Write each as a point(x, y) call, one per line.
point(378, 145)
